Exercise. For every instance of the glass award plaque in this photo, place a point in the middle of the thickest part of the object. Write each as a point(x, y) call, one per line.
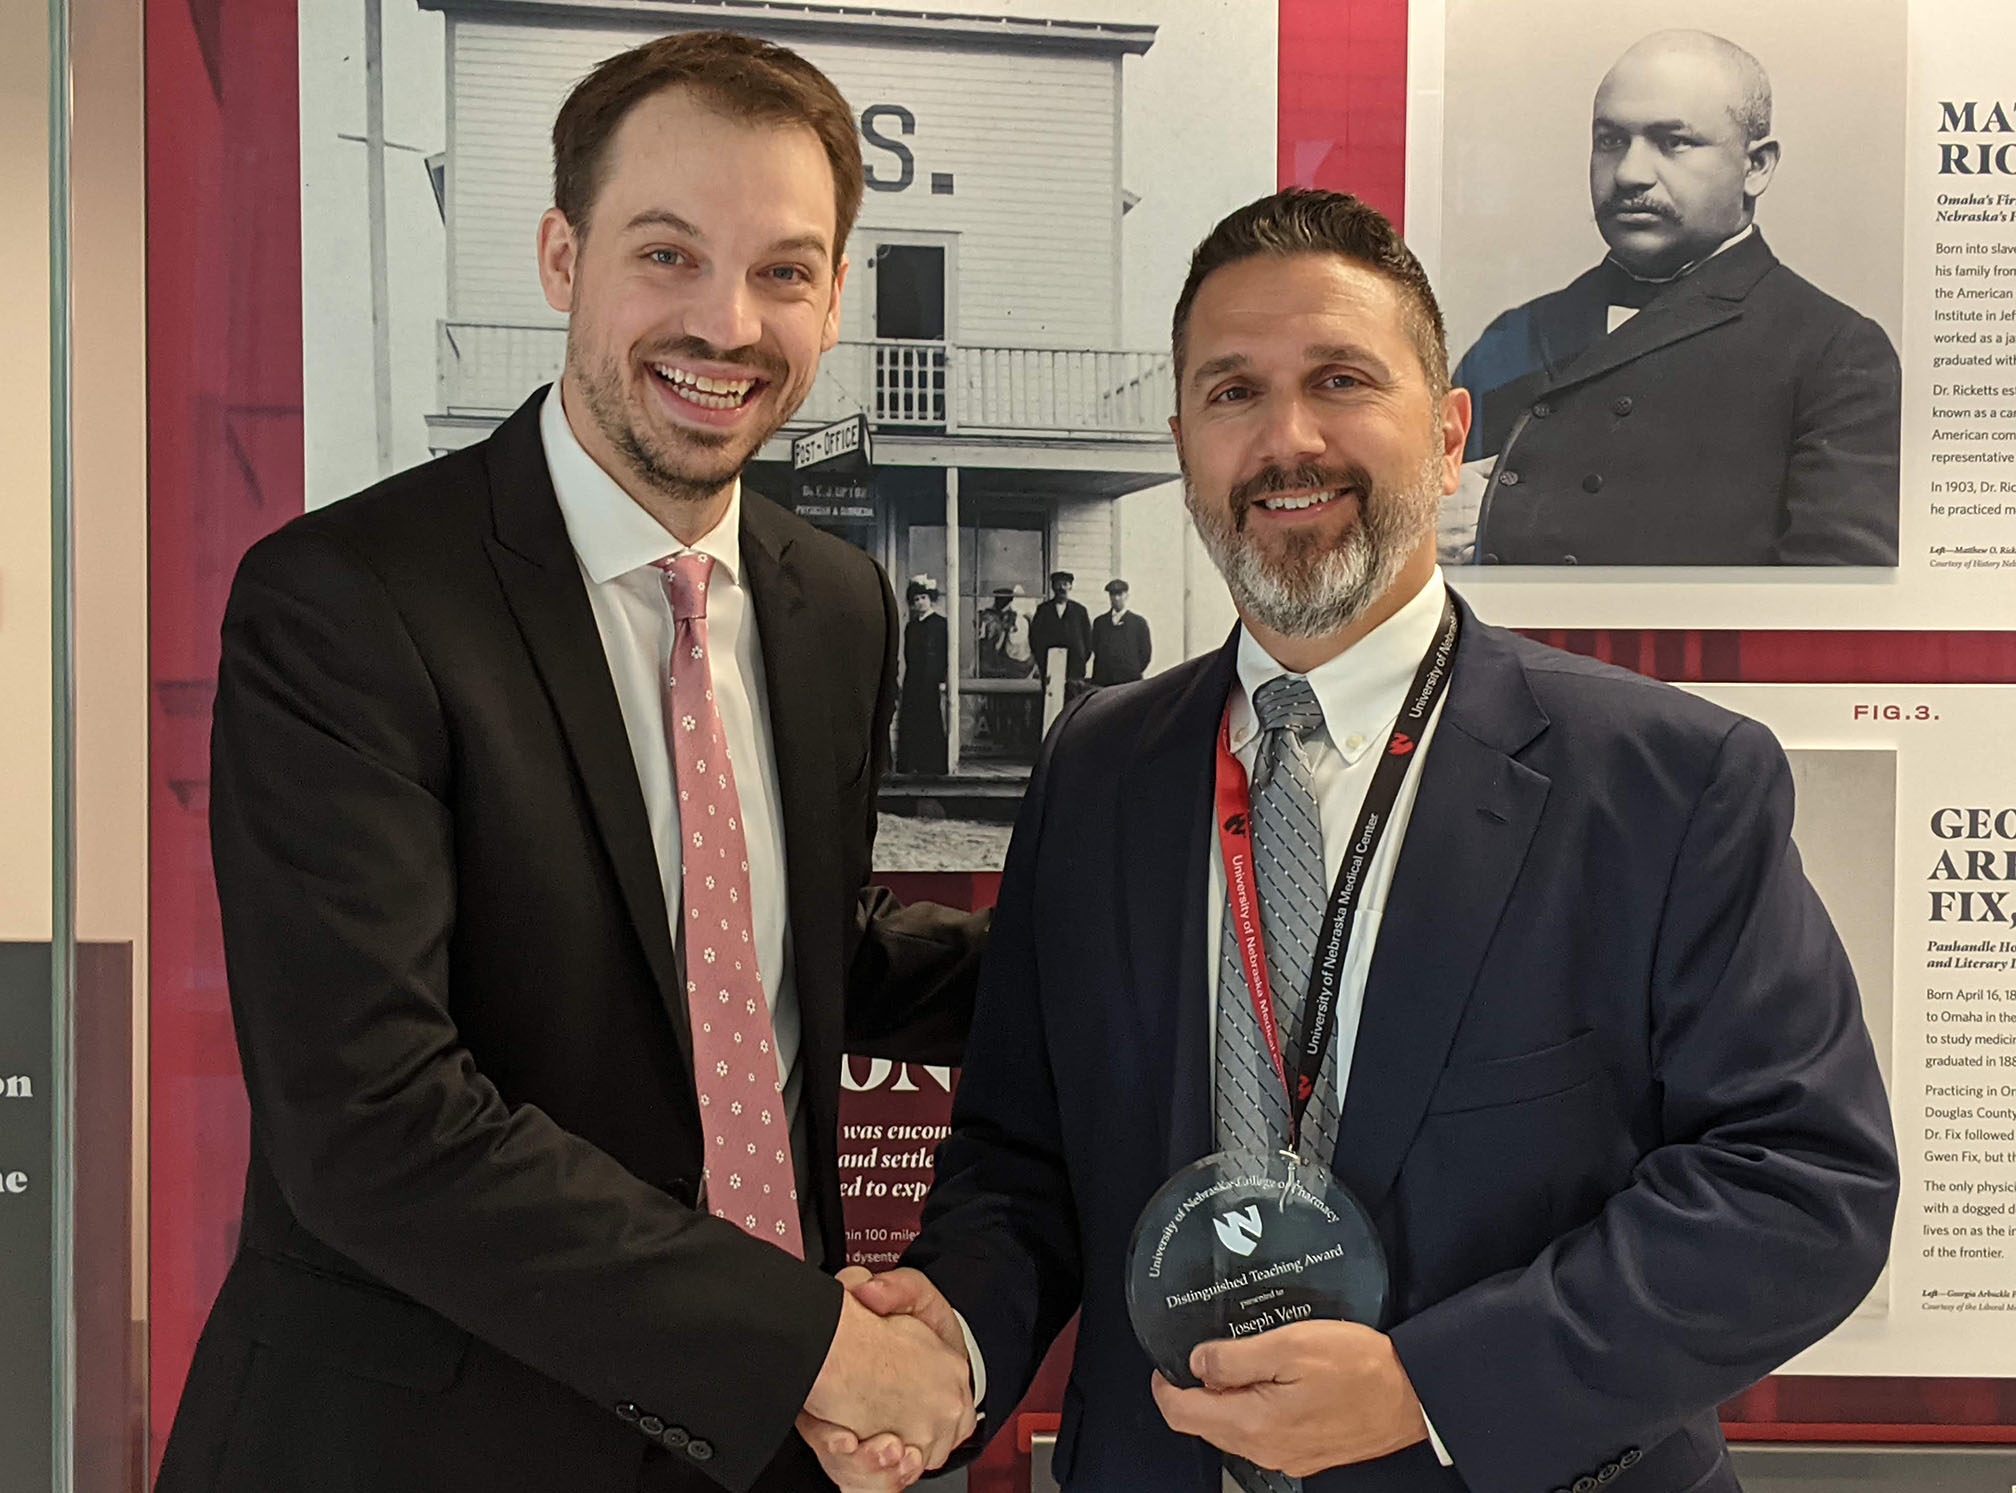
point(1237, 1244)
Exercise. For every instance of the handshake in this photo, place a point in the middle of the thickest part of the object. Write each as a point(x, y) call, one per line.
point(895, 1395)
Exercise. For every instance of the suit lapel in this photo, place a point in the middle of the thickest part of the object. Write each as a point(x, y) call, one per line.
point(796, 681)
point(1566, 324)
point(542, 584)
point(1472, 823)
point(1165, 845)
point(1710, 296)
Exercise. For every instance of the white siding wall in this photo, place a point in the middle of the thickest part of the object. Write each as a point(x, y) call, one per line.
point(1085, 547)
point(1028, 138)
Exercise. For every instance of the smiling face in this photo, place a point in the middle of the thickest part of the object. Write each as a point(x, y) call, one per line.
point(699, 297)
point(1673, 174)
point(1315, 452)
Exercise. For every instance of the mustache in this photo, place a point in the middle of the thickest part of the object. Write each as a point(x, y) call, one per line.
point(1625, 203)
point(756, 360)
point(1272, 479)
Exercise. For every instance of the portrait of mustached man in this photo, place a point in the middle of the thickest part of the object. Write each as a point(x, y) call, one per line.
point(1690, 400)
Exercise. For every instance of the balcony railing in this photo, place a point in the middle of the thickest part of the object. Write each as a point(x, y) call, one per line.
point(901, 386)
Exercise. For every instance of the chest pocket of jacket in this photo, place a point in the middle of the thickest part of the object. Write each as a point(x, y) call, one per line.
point(1519, 1078)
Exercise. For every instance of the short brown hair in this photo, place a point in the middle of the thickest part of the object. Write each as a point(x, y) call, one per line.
point(742, 76)
point(1302, 220)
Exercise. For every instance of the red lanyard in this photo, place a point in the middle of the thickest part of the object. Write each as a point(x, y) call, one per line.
point(1234, 803)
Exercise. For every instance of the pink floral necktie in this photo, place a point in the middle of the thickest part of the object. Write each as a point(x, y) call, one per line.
point(748, 1167)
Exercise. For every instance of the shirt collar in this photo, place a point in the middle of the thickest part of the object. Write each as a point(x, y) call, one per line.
point(610, 531)
point(1685, 270)
point(1362, 689)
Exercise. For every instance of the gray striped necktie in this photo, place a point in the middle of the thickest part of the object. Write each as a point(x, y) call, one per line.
point(1251, 1107)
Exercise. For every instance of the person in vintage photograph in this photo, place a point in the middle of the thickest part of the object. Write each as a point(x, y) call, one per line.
point(920, 715)
point(1690, 400)
point(1597, 1070)
point(1003, 637)
point(1063, 623)
point(1121, 647)
point(544, 781)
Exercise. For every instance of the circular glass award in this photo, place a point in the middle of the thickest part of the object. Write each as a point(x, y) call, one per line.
point(1237, 1244)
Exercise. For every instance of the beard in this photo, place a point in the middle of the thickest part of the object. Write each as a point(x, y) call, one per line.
point(692, 465)
point(1318, 584)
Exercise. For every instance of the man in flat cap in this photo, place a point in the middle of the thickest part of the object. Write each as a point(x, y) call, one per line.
point(1120, 643)
point(1063, 623)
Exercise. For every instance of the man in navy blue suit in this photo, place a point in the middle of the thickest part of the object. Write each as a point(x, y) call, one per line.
point(1599, 1075)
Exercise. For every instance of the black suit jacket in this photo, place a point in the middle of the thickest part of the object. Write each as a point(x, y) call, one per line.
point(1612, 1108)
point(1121, 650)
point(1072, 632)
point(1744, 417)
point(470, 1257)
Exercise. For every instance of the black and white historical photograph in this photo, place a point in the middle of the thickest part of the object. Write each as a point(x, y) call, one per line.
point(1671, 248)
point(993, 424)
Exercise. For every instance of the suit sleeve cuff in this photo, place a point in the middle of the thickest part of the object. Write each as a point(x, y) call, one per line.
point(1441, 1451)
point(979, 1366)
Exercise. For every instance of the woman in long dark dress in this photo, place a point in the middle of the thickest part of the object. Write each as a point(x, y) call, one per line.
point(920, 718)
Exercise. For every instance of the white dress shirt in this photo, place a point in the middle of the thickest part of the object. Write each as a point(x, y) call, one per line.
point(616, 542)
point(1361, 692)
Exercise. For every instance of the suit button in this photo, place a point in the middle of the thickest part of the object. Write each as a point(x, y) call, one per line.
point(1585, 1484)
point(675, 1437)
point(1621, 406)
point(1607, 1472)
point(1570, 560)
point(1508, 479)
point(1490, 559)
point(700, 1451)
point(651, 1425)
point(1542, 410)
point(628, 1411)
point(1592, 483)
point(1630, 1457)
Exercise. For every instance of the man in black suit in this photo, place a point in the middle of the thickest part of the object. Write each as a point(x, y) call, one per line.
point(1599, 1073)
point(1121, 646)
point(1690, 401)
point(494, 923)
point(1063, 623)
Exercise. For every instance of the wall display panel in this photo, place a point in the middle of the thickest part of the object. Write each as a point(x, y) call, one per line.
point(1034, 188)
point(1731, 303)
point(1905, 823)
point(270, 390)
point(1809, 426)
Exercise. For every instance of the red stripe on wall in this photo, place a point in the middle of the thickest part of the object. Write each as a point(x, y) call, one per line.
point(223, 468)
point(1343, 98)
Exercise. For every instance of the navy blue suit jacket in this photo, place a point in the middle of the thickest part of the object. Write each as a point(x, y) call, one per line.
point(1613, 1106)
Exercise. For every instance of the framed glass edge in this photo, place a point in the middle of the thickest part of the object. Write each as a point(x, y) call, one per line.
point(62, 774)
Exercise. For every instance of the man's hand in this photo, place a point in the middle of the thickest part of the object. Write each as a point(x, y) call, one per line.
point(1298, 1399)
point(895, 1380)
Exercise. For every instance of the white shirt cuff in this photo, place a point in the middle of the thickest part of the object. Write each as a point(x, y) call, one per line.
point(1441, 1451)
point(979, 1365)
